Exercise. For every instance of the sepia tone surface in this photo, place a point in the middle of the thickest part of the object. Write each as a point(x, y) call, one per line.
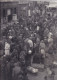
point(28, 39)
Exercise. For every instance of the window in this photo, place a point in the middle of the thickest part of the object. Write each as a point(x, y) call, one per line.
point(14, 10)
point(4, 13)
point(9, 12)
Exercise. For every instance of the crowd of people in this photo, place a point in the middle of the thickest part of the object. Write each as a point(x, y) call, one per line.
point(31, 40)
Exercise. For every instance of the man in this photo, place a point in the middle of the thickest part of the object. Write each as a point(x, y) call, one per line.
point(29, 53)
point(42, 49)
point(7, 48)
point(23, 65)
point(16, 71)
point(36, 58)
point(28, 49)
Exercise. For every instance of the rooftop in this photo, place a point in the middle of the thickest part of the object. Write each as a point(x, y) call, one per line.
point(8, 0)
point(26, 1)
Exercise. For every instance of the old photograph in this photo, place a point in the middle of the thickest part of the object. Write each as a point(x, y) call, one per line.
point(28, 39)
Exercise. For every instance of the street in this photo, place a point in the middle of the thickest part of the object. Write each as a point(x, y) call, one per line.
point(41, 75)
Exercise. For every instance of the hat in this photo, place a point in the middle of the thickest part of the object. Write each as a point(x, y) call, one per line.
point(29, 52)
point(38, 28)
point(10, 37)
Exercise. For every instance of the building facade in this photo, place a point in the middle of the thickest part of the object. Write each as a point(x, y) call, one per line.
point(8, 11)
point(13, 10)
